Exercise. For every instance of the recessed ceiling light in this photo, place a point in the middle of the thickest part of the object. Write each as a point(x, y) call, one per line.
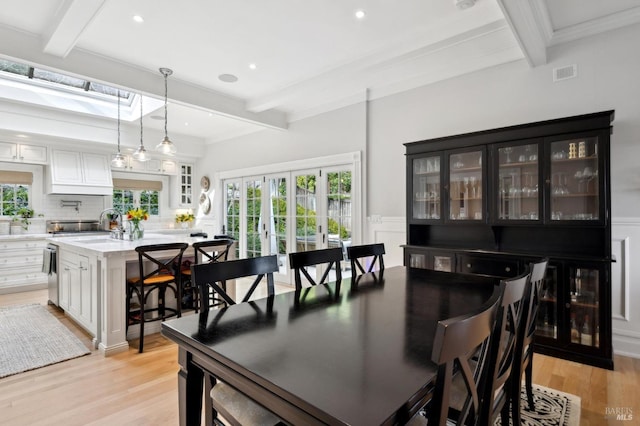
point(210, 114)
point(252, 66)
point(228, 78)
point(138, 18)
point(465, 4)
point(360, 14)
point(186, 123)
point(22, 136)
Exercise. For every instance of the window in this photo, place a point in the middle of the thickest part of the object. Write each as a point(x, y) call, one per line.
point(14, 188)
point(14, 197)
point(129, 193)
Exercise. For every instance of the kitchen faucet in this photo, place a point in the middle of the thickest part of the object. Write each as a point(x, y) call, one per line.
point(119, 231)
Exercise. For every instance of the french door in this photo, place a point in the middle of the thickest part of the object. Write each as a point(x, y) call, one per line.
point(288, 212)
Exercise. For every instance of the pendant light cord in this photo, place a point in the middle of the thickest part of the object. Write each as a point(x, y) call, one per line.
point(118, 121)
point(141, 143)
point(165, 106)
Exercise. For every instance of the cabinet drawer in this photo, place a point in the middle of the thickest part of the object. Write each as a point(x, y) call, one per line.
point(481, 265)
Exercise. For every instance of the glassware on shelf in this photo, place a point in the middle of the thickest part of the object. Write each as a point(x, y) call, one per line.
point(586, 338)
point(575, 333)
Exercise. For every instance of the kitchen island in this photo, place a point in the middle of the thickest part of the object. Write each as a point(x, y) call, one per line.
point(92, 283)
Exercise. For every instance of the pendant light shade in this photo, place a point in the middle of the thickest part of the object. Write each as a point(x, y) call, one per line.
point(141, 152)
point(166, 146)
point(118, 160)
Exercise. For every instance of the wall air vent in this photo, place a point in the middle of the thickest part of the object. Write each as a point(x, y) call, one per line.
point(565, 73)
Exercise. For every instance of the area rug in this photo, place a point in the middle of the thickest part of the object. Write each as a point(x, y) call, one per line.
point(30, 337)
point(553, 408)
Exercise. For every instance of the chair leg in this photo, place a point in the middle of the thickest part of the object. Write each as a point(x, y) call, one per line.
point(142, 300)
point(515, 400)
point(528, 372)
point(504, 413)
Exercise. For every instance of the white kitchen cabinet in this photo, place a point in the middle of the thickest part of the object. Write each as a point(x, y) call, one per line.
point(153, 166)
point(78, 288)
point(23, 153)
point(21, 265)
point(73, 172)
point(182, 187)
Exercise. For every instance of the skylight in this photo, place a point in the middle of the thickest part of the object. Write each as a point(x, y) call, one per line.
point(49, 89)
point(38, 75)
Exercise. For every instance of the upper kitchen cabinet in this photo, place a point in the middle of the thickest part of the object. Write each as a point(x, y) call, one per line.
point(152, 166)
point(73, 172)
point(23, 153)
point(182, 191)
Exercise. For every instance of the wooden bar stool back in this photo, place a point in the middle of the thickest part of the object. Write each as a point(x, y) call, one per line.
point(159, 262)
point(210, 251)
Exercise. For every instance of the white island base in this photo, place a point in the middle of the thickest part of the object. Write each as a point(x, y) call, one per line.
point(92, 284)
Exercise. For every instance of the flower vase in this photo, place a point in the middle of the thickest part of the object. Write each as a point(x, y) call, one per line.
point(136, 230)
point(184, 225)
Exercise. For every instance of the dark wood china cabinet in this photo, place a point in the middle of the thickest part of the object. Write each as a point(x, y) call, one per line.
point(492, 201)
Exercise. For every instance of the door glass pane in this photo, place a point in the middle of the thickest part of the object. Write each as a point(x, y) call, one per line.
point(518, 182)
point(426, 187)
point(254, 218)
point(574, 180)
point(547, 319)
point(232, 209)
point(465, 183)
point(339, 212)
point(278, 222)
point(584, 306)
point(306, 209)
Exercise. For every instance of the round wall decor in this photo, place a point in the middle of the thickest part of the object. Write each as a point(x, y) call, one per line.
point(205, 203)
point(204, 183)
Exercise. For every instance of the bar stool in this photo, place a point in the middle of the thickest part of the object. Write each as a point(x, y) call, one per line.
point(206, 252)
point(159, 260)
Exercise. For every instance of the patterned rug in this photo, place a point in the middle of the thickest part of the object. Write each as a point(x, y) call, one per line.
point(553, 408)
point(30, 337)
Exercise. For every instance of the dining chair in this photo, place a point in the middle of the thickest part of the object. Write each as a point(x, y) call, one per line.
point(233, 406)
point(302, 260)
point(523, 358)
point(205, 252)
point(212, 276)
point(373, 252)
point(511, 314)
point(461, 349)
point(158, 260)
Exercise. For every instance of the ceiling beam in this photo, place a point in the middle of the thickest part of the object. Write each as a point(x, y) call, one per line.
point(530, 23)
point(69, 22)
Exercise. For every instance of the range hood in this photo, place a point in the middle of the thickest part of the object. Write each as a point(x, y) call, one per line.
point(79, 173)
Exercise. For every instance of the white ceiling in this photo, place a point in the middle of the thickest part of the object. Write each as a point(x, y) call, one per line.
point(311, 56)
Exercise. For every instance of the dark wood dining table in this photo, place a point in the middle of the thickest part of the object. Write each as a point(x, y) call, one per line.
point(356, 352)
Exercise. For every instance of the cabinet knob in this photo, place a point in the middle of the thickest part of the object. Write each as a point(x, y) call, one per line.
point(507, 269)
point(469, 265)
point(568, 305)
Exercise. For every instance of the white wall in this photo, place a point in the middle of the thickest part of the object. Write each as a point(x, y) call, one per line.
point(608, 70)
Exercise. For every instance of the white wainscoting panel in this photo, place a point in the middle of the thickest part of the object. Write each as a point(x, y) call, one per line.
point(392, 231)
point(625, 291)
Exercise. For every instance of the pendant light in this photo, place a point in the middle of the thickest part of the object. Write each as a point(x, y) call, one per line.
point(141, 153)
point(118, 161)
point(166, 146)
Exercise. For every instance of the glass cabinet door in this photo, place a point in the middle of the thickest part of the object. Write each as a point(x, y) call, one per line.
point(426, 188)
point(465, 186)
point(583, 306)
point(517, 187)
point(547, 318)
point(574, 180)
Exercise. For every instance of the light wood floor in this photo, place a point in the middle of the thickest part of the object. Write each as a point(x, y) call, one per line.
point(141, 389)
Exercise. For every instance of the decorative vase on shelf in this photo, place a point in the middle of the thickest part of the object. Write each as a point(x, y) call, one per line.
point(136, 230)
point(185, 225)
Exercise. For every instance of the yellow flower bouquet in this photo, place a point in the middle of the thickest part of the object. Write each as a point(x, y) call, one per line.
point(135, 216)
point(184, 217)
